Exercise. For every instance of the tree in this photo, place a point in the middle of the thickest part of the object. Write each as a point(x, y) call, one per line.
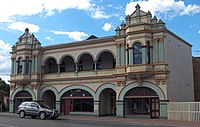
point(5, 87)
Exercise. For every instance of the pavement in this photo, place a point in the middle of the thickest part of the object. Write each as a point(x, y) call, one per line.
point(134, 121)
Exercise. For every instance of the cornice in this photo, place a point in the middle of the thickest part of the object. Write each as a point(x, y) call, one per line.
point(80, 43)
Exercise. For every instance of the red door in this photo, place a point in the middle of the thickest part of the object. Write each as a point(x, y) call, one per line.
point(67, 106)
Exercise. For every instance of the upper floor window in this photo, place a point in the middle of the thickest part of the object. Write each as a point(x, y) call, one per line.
point(19, 70)
point(137, 53)
point(27, 65)
point(148, 53)
point(62, 66)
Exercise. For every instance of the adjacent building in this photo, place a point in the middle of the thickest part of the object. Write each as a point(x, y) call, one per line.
point(196, 73)
point(133, 73)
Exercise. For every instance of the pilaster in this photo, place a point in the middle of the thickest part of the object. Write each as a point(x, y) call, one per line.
point(122, 49)
point(33, 64)
point(119, 109)
point(161, 50)
point(23, 66)
point(118, 57)
point(11, 106)
point(130, 56)
point(12, 66)
point(36, 64)
point(58, 106)
point(144, 55)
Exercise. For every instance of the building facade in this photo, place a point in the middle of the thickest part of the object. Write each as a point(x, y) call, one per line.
point(131, 74)
point(196, 73)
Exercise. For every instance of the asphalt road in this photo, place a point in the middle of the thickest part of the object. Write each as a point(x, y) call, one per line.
point(15, 121)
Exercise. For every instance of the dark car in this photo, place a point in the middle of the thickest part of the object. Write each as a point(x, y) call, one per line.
point(35, 109)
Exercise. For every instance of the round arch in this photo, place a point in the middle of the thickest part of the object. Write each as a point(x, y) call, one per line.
point(48, 57)
point(85, 53)
point(26, 89)
point(137, 41)
point(66, 55)
point(104, 86)
point(53, 89)
point(76, 87)
point(150, 85)
point(105, 50)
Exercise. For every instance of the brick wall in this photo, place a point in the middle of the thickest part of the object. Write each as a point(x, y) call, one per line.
point(196, 71)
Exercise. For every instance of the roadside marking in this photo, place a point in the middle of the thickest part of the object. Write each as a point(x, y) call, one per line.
point(6, 125)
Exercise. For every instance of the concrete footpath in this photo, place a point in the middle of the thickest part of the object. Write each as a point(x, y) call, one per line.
point(145, 122)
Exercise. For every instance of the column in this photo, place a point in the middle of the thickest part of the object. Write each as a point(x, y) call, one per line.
point(12, 66)
point(36, 64)
point(163, 109)
point(127, 55)
point(96, 108)
point(11, 106)
point(144, 55)
point(16, 65)
point(118, 55)
point(33, 65)
point(151, 55)
point(130, 56)
point(119, 109)
point(29, 67)
point(58, 68)
point(58, 106)
point(161, 50)
point(122, 53)
point(76, 69)
point(155, 51)
point(95, 65)
point(23, 66)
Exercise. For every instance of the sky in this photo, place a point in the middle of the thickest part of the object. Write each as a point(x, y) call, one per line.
point(66, 21)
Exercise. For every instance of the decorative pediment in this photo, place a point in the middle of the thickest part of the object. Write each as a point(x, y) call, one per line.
point(27, 38)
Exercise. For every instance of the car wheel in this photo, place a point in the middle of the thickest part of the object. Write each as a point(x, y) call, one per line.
point(33, 117)
point(42, 115)
point(21, 114)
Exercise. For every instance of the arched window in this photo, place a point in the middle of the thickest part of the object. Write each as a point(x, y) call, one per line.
point(51, 66)
point(19, 70)
point(27, 65)
point(106, 61)
point(62, 66)
point(137, 53)
point(148, 53)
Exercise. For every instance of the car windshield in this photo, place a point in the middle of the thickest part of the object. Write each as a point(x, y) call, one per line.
point(42, 105)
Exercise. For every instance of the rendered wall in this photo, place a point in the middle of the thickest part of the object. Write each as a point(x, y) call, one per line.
point(178, 56)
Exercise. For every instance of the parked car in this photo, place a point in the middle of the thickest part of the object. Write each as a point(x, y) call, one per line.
point(35, 109)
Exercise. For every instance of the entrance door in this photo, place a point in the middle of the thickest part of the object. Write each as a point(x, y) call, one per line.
point(154, 108)
point(67, 106)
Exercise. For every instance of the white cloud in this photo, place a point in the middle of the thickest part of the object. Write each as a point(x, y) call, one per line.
point(21, 26)
point(107, 26)
point(166, 8)
point(76, 35)
point(12, 8)
point(5, 62)
point(97, 13)
point(199, 32)
point(48, 38)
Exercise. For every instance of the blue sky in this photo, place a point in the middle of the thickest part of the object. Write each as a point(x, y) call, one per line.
point(64, 21)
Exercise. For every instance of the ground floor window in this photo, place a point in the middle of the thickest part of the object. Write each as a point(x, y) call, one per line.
point(141, 101)
point(138, 106)
point(83, 105)
point(20, 97)
point(77, 100)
